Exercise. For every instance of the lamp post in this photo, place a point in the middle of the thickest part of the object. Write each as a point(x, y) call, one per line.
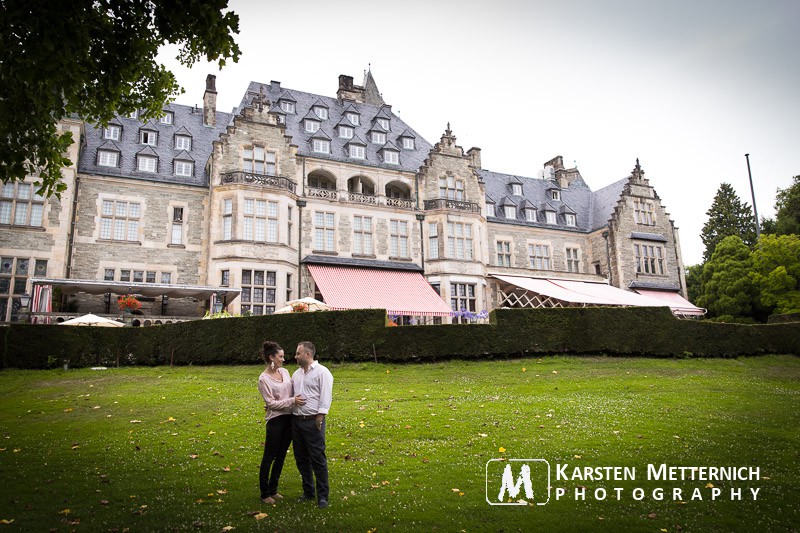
point(219, 303)
point(24, 303)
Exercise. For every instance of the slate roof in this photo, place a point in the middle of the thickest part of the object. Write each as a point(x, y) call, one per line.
point(657, 237)
point(186, 120)
point(369, 263)
point(410, 160)
point(592, 209)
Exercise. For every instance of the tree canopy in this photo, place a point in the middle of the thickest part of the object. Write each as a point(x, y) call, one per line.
point(727, 288)
point(787, 209)
point(776, 272)
point(93, 59)
point(727, 216)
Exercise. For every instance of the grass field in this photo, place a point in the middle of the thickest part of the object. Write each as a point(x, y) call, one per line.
point(160, 449)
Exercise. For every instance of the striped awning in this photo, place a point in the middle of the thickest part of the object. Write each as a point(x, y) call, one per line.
point(399, 292)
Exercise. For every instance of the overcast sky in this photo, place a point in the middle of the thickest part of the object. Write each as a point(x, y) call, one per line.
point(688, 87)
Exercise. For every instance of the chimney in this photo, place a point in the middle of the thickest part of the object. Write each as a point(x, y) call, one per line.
point(348, 91)
point(557, 163)
point(475, 154)
point(210, 101)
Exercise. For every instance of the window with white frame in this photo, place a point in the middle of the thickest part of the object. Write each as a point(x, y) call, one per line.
point(107, 158)
point(451, 188)
point(133, 114)
point(490, 210)
point(184, 168)
point(384, 123)
point(462, 296)
point(14, 274)
point(324, 232)
point(649, 259)
point(353, 118)
point(459, 240)
point(312, 126)
point(357, 151)
point(504, 253)
point(322, 146)
point(146, 163)
point(227, 219)
point(260, 220)
point(555, 194)
point(321, 112)
point(378, 137)
point(287, 106)
point(530, 214)
point(408, 143)
point(539, 256)
point(259, 161)
point(550, 216)
point(573, 260)
point(148, 137)
point(510, 212)
point(166, 278)
point(516, 189)
point(398, 238)
point(258, 292)
point(433, 240)
point(21, 205)
point(183, 142)
point(166, 118)
point(119, 220)
point(644, 212)
point(362, 235)
point(109, 274)
point(391, 157)
point(112, 132)
point(345, 132)
point(176, 236)
point(571, 220)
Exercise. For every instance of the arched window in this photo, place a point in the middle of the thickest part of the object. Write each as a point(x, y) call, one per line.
point(361, 185)
point(319, 179)
point(399, 190)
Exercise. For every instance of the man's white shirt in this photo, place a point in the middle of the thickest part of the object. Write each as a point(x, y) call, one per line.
point(316, 386)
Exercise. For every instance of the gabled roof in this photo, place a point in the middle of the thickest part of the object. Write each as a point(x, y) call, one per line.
point(150, 126)
point(147, 150)
point(351, 108)
point(109, 145)
point(319, 103)
point(183, 131)
point(547, 206)
point(526, 204)
point(389, 146)
point(277, 109)
point(312, 116)
point(489, 200)
point(382, 114)
point(508, 201)
point(407, 133)
point(344, 123)
point(377, 127)
point(286, 95)
point(320, 134)
point(184, 156)
point(515, 179)
point(355, 140)
point(566, 209)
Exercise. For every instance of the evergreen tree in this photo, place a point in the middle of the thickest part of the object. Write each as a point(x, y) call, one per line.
point(776, 272)
point(727, 216)
point(727, 287)
point(787, 209)
point(694, 282)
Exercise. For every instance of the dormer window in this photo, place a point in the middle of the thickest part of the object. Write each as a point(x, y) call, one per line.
point(571, 220)
point(146, 163)
point(345, 132)
point(321, 112)
point(287, 106)
point(551, 217)
point(384, 123)
point(183, 142)
point(184, 168)
point(281, 119)
point(112, 132)
point(312, 126)
point(555, 194)
point(353, 118)
point(510, 211)
point(133, 114)
point(516, 189)
point(530, 215)
point(149, 137)
point(408, 143)
point(391, 157)
point(107, 158)
point(378, 137)
point(357, 152)
point(490, 210)
point(166, 118)
point(322, 146)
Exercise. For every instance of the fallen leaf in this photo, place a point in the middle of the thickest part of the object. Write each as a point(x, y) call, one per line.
point(222, 491)
point(456, 490)
point(193, 456)
point(555, 371)
point(136, 421)
point(260, 516)
point(482, 435)
point(460, 493)
point(577, 456)
point(68, 410)
point(651, 515)
point(64, 511)
point(227, 528)
point(524, 369)
point(226, 469)
point(709, 485)
point(6, 521)
point(212, 433)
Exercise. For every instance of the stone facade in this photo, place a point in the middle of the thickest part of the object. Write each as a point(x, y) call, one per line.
point(247, 200)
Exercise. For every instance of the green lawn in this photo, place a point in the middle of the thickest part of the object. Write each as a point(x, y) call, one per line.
point(160, 449)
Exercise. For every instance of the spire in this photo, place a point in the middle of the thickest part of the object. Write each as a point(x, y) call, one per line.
point(637, 172)
point(371, 93)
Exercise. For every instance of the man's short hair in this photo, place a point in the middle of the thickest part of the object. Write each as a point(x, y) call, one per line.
point(309, 347)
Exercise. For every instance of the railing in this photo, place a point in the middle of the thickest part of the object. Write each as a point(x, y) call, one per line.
point(274, 182)
point(445, 203)
point(359, 198)
point(322, 193)
point(400, 203)
point(57, 317)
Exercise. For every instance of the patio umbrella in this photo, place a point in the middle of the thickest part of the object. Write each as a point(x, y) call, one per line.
point(313, 305)
point(92, 320)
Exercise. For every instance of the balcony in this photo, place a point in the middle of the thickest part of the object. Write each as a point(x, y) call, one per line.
point(328, 194)
point(272, 182)
point(400, 203)
point(359, 198)
point(456, 205)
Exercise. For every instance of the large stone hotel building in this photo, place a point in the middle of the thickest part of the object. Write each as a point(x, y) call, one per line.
point(296, 194)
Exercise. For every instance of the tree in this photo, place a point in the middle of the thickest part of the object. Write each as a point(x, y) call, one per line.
point(93, 59)
point(787, 209)
point(727, 288)
point(694, 282)
point(727, 216)
point(776, 272)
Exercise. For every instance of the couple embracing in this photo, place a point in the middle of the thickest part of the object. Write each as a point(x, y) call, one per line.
point(296, 409)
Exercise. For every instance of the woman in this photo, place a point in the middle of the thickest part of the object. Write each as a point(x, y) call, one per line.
point(275, 386)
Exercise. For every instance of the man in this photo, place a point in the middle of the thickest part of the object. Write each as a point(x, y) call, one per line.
point(314, 383)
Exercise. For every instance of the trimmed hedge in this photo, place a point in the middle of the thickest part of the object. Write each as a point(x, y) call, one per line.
point(361, 335)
